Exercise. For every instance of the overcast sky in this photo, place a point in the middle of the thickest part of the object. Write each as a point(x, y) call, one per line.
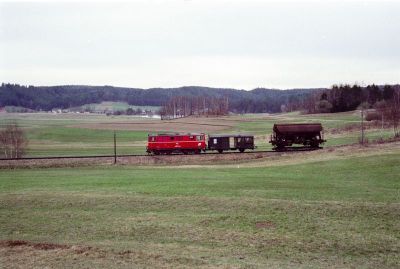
point(239, 44)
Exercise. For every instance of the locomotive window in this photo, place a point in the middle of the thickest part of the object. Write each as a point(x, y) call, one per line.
point(239, 139)
point(153, 139)
point(215, 141)
point(198, 137)
point(248, 139)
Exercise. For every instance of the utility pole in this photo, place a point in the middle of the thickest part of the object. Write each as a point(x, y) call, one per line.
point(174, 116)
point(382, 128)
point(115, 148)
point(362, 126)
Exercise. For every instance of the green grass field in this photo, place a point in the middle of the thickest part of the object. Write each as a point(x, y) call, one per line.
point(53, 135)
point(327, 214)
point(67, 135)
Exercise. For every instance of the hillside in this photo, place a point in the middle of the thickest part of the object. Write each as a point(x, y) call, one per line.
point(46, 98)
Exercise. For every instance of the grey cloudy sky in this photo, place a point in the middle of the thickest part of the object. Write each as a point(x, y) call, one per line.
point(239, 44)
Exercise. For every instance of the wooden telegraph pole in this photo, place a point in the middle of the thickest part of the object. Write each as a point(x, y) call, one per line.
point(115, 148)
point(362, 126)
point(382, 127)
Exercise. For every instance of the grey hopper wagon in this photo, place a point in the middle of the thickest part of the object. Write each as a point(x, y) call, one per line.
point(305, 134)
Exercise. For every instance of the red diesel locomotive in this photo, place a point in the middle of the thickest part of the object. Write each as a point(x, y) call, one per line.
point(176, 143)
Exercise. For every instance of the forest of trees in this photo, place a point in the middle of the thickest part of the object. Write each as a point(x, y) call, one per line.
point(240, 101)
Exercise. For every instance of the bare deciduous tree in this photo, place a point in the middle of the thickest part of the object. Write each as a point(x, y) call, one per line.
point(183, 106)
point(390, 109)
point(12, 141)
point(395, 111)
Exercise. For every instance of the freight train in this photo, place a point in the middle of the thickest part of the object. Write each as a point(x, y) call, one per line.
point(284, 136)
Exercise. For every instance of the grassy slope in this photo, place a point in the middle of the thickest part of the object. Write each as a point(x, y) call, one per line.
point(344, 215)
point(52, 135)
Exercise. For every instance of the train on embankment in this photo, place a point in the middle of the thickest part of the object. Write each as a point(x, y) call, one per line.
point(284, 136)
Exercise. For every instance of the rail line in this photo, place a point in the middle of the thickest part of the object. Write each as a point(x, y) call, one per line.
point(290, 149)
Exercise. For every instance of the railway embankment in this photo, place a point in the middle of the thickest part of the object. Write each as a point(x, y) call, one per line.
point(248, 159)
point(136, 160)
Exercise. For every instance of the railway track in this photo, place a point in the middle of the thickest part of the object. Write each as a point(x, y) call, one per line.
point(290, 149)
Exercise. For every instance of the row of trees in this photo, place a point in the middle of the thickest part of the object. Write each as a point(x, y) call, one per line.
point(183, 106)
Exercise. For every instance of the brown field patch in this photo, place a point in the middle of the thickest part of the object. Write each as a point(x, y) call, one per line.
point(180, 125)
point(24, 254)
point(265, 225)
point(42, 246)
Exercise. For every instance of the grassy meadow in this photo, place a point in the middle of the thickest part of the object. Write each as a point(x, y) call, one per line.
point(66, 134)
point(340, 213)
point(92, 134)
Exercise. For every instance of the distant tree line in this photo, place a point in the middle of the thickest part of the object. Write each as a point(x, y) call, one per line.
point(341, 98)
point(240, 101)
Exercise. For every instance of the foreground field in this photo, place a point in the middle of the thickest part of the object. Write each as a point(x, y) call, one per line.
point(338, 213)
